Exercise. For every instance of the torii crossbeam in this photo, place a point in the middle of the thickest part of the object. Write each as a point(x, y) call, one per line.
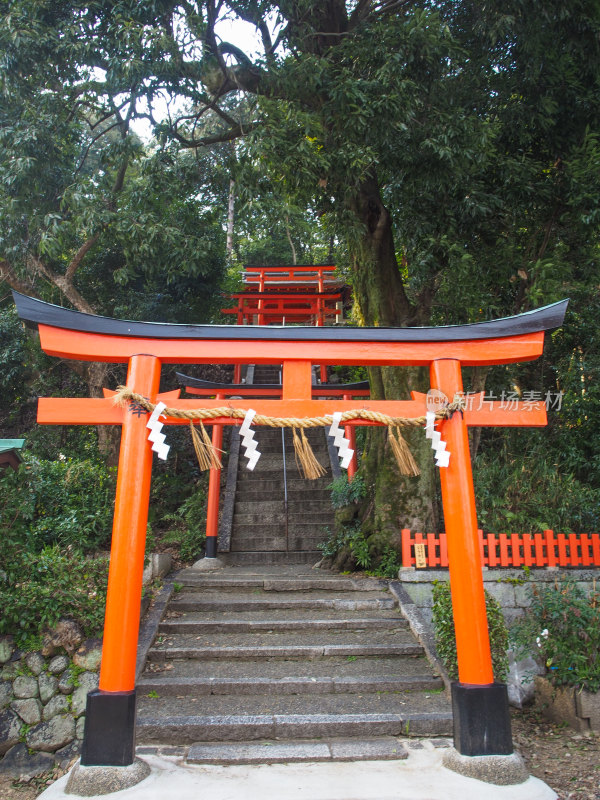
point(480, 706)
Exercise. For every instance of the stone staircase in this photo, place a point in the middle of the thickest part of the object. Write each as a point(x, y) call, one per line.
point(285, 663)
point(266, 529)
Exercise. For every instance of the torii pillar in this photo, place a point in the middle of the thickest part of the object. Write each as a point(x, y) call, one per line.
point(480, 706)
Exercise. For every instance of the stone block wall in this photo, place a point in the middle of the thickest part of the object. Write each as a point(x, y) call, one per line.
point(42, 706)
point(510, 587)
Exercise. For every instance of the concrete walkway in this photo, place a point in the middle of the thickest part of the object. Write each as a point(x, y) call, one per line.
point(419, 777)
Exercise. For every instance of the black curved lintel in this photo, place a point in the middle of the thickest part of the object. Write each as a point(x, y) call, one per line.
point(198, 383)
point(37, 311)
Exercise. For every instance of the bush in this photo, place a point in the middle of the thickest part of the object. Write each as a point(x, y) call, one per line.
point(36, 590)
point(445, 638)
point(563, 626)
point(67, 501)
point(187, 525)
point(345, 493)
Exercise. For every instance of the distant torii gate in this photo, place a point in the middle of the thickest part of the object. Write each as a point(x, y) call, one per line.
point(480, 706)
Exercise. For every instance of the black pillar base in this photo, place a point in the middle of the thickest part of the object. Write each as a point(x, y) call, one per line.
point(109, 734)
point(481, 719)
point(210, 547)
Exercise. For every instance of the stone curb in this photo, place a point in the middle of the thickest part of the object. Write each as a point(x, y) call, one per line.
point(150, 624)
point(420, 629)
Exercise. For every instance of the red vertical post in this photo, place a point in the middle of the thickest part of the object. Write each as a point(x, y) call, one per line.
point(122, 616)
point(237, 370)
point(109, 736)
point(214, 491)
point(480, 708)
point(407, 559)
point(261, 303)
point(458, 498)
point(350, 434)
point(550, 542)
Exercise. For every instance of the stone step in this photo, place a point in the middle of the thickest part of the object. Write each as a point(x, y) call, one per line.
point(294, 479)
point(169, 686)
point(252, 533)
point(300, 751)
point(233, 601)
point(285, 651)
point(198, 624)
point(250, 491)
point(301, 523)
point(245, 558)
point(189, 729)
point(275, 539)
point(271, 506)
point(276, 581)
point(358, 668)
point(251, 541)
point(365, 636)
point(334, 704)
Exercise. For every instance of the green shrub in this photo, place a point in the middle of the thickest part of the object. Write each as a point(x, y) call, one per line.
point(527, 492)
point(563, 626)
point(67, 501)
point(445, 638)
point(187, 525)
point(350, 536)
point(345, 492)
point(36, 590)
point(389, 564)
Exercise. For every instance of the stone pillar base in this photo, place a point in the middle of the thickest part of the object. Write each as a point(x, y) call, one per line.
point(208, 564)
point(500, 770)
point(92, 781)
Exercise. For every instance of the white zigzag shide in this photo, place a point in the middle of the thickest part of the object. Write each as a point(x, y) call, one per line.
point(248, 441)
point(156, 436)
point(340, 441)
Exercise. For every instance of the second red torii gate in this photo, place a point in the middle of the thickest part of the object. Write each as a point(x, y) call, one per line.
point(481, 721)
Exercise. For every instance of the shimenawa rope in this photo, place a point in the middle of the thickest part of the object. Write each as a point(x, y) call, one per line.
point(208, 458)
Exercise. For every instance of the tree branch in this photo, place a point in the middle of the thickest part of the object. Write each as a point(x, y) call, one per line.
point(9, 276)
point(65, 286)
point(224, 136)
point(79, 256)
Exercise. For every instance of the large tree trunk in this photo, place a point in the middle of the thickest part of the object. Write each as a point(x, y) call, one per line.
point(395, 501)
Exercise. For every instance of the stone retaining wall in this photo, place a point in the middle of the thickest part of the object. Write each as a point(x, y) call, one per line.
point(42, 706)
point(510, 587)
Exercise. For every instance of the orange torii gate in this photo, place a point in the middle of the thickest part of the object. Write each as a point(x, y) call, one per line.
point(480, 706)
point(222, 391)
point(300, 294)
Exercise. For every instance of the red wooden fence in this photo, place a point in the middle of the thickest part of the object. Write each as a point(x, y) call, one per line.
point(547, 549)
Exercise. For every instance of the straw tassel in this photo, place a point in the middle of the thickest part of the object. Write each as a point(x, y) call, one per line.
point(306, 460)
point(404, 458)
point(207, 456)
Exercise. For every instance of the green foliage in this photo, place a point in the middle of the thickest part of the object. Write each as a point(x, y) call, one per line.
point(563, 625)
point(389, 564)
point(522, 492)
point(345, 492)
point(445, 639)
point(349, 536)
point(37, 589)
point(188, 525)
point(68, 502)
point(13, 358)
